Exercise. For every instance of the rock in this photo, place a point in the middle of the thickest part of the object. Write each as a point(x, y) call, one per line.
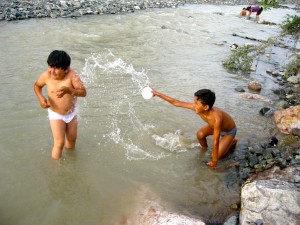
point(279, 92)
point(296, 131)
point(293, 79)
point(248, 44)
point(234, 46)
point(253, 160)
point(287, 119)
point(150, 211)
point(269, 71)
point(252, 69)
point(282, 104)
point(273, 142)
point(254, 85)
point(255, 96)
point(272, 198)
point(53, 16)
point(290, 140)
point(233, 220)
point(266, 111)
point(275, 73)
point(239, 89)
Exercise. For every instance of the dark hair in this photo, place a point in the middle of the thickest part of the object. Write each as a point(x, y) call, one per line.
point(206, 96)
point(59, 59)
point(248, 8)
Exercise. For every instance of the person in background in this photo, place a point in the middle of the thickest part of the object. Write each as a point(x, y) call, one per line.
point(251, 9)
point(63, 87)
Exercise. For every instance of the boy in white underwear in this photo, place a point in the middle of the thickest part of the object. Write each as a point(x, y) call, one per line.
point(63, 87)
point(219, 123)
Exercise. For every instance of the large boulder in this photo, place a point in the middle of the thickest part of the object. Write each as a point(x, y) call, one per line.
point(288, 119)
point(151, 211)
point(271, 198)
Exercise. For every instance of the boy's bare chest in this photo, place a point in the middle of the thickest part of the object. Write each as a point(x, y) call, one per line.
point(55, 85)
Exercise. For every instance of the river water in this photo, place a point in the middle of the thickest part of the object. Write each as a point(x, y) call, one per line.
point(124, 141)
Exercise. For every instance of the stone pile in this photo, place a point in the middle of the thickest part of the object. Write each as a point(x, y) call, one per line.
point(11, 10)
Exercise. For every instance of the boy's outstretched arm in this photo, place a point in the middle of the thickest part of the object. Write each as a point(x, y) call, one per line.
point(174, 101)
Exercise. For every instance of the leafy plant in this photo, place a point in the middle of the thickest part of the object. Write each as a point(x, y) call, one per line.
point(291, 26)
point(242, 58)
point(267, 4)
point(292, 68)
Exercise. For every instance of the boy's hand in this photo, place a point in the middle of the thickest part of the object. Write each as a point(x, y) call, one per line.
point(212, 165)
point(44, 104)
point(62, 91)
point(154, 92)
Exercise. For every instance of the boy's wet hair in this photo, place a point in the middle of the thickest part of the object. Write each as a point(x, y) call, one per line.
point(59, 59)
point(206, 96)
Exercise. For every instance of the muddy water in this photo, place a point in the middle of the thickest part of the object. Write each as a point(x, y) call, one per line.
point(125, 141)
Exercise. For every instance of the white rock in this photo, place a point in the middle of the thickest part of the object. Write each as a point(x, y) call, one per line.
point(273, 201)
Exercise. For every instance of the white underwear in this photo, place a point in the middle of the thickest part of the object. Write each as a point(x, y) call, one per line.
point(67, 118)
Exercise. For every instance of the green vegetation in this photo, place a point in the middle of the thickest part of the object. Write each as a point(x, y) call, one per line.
point(292, 68)
point(291, 26)
point(242, 58)
point(267, 4)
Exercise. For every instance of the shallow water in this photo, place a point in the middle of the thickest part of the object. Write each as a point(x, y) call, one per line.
point(124, 141)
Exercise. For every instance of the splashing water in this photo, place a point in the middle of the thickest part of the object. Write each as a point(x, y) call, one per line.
point(115, 87)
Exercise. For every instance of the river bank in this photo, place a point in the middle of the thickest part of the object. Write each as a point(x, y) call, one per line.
point(28, 9)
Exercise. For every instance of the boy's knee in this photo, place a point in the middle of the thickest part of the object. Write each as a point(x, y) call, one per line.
point(200, 135)
point(71, 138)
point(59, 145)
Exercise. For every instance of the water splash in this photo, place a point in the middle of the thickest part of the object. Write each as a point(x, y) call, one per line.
point(173, 142)
point(115, 87)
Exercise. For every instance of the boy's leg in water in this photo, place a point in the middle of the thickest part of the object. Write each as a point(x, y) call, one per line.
point(58, 128)
point(202, 134)
point(71, 134)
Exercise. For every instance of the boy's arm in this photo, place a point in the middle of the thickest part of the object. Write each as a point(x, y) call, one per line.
point(250, 12)
point(77, 90)
point(173, 101)
point(38, 86)
point(216, 141)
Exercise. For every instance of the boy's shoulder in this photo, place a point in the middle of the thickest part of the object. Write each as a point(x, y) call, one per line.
point(45, 75)
point(217, 112)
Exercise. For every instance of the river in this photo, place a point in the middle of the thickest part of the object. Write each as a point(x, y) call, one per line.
point(124, 141)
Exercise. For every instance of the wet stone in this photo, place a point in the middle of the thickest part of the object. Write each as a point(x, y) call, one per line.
point(253, 160)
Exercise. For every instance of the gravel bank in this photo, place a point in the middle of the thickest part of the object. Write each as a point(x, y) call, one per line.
point(11, 10)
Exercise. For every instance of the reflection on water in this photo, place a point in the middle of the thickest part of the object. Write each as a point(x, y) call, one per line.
point(124, 141)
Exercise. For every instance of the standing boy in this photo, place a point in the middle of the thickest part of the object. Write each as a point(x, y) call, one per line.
point(63, 87)
point(219, 123)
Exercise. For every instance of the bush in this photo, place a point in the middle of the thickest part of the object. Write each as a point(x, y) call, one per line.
point(293, 67)
point(291, 26)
